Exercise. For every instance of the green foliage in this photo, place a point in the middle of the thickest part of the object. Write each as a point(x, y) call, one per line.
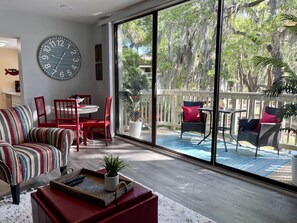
point(113, 164)
point(267, 61)
point(288, 81)
point(134, 81)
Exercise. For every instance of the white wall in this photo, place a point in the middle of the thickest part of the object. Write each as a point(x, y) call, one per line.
point(32, 30)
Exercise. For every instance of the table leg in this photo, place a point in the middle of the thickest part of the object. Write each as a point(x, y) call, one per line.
point(223, 130)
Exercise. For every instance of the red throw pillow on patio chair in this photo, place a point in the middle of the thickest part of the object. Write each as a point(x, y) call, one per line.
point(99, 126)
point(191, 114)
point(266, 118)
point(191, 119)
point(261, 132)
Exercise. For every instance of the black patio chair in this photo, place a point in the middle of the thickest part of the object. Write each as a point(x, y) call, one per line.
point(261, 132)
point(193, 126)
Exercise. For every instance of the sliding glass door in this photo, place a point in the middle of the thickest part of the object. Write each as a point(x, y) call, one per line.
point(189, 84)
point(185, 77)
point(134, 51)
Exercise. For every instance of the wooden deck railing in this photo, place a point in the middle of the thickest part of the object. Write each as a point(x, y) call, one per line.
point(169, 104)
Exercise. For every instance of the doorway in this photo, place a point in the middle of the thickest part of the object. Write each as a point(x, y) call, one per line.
point(9, 72)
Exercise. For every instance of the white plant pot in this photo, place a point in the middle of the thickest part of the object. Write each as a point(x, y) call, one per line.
point(110, 183)
point(294, 169)
point(135, 129)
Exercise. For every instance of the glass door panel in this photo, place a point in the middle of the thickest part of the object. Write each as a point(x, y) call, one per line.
point(185, 72)
point(251, 36)
point(134, 49)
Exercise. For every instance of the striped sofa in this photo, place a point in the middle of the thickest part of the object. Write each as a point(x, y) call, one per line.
point(27, 151)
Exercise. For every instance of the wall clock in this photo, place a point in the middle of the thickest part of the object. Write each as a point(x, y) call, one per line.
point(59, 58)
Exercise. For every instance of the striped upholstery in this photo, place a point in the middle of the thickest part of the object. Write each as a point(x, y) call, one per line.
point(60, 138)
point(15, 124)
point(37, 158)
point(26, 151)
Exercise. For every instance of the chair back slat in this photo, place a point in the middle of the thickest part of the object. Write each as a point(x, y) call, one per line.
point(107, 108)
point(66, 110)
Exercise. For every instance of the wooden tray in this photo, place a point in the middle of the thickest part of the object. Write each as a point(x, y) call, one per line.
point(92, 188)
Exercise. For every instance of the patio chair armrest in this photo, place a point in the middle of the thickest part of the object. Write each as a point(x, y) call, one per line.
point(9, 164)
point(248, 124)
point(58, 137)
point(269, 128)
point(203, 117)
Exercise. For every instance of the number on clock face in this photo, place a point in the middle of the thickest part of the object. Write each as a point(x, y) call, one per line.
point(59, 58)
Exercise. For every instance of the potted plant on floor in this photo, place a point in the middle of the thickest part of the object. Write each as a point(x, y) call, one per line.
point(134, 82)
point(112, 164)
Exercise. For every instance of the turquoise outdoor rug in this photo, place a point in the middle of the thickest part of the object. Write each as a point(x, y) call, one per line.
point(264, 164)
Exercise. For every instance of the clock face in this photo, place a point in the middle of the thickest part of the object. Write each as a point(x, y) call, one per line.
point(59, 58)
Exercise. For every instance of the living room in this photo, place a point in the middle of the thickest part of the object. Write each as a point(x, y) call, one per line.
point(212, 193)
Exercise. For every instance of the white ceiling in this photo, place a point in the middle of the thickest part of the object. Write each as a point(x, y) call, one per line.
point(83, 11)
point(74, 10)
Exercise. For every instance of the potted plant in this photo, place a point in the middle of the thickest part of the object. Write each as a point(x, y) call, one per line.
point(112, 164)
point(134, 82)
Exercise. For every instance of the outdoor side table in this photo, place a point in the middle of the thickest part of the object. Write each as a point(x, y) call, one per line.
point(224, 127)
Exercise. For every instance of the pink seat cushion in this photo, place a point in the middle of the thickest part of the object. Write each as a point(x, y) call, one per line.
point(191, 114)
point(266, 118)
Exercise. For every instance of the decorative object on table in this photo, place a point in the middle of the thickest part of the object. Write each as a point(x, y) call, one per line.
point(59, 58)
point(27, 151)
point(99, 126)
point(87, 101)
point(78, 98)
point(112, 164)
point(12, 72)
point(42, 119)
point(134, 82)
point(89, 185)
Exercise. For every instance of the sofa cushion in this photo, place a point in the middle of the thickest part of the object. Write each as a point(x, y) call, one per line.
point(37, 159)
point(191, 113)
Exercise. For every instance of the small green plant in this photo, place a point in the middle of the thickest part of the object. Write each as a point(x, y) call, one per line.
point(113, 164)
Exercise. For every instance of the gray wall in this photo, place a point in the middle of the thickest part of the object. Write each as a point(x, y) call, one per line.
point(31, 31)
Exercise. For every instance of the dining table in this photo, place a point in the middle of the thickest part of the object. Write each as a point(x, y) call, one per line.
point(83, 109)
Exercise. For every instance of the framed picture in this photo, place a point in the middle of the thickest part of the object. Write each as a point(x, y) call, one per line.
point(99, 73)
point(98, 53)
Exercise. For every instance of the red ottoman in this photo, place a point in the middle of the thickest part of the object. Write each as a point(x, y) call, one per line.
point(139, 205)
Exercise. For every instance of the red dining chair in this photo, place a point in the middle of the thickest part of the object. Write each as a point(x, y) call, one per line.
point(99, 126)
point(42, 119)
point(67, 117)
point(87, 101)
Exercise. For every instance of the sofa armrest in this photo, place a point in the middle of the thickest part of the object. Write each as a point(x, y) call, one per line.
point(58, 137)
point(10, 171)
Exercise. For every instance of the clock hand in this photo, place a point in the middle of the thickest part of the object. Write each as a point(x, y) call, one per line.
point(55, 69)
point(55, 56)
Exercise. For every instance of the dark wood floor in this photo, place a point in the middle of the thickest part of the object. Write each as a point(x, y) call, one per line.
point(220, 197)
